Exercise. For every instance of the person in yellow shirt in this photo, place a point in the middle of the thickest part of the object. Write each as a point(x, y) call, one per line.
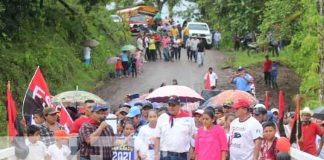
point(174, 31)
point(185, 33)
point(152, 49)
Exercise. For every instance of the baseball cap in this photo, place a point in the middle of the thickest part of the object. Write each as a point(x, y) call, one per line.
point(147, 105)
point(219, 109)
point(60, 134)
point(124, 109)
point(97, 108)
point(241, 103)
point(228, 103)
point(174, 100)
point(260, 110)
point(198, 112)
point(50, 110)
point(240, 68)
point(134, 111)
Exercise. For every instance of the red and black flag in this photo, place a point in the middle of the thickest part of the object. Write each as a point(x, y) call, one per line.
point(266, 99)
point(12, 114)
point(37, 95)
point(296, 130)
point(281, 108)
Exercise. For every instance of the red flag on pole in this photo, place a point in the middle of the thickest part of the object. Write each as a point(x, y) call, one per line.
point(37, 95)
point(296, 130)
point(266, 99)
point(12, 114)
point(65, 119)
point(207, 82)
point(281, 108)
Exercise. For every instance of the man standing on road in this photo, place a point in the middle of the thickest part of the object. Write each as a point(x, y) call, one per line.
point(217, 39)
point(96, 136)
point(210, 79)
point(194, 47)
point(245, 133)
point(242, 80)
point(174, 132)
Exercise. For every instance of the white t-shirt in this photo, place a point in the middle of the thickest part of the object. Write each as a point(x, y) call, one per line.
point(146, 138)
point(87, 52)
point(212, 78)
point(140, 43)
point(175, 139)
point(59, 153)
point(194, 44)
point(37, 151)
point(242, 136)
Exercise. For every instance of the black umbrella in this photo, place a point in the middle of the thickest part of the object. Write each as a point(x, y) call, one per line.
point(319, 113)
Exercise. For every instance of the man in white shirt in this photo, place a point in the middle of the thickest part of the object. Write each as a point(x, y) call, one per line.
point(212, 78)
point(217, 39)
point(194, 47)
point(175, 130)
point(245, 133)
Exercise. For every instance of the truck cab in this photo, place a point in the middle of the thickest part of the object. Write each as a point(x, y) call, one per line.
point(201, 30)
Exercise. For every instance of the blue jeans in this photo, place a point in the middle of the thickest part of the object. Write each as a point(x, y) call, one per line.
point(87, 61)
point(166, 54)
point(173, 156)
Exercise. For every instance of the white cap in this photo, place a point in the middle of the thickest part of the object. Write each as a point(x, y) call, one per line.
point(307, 110)
point(274, 110)
point(259, 105)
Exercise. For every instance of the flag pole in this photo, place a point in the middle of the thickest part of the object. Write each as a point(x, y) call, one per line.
point(22, 108)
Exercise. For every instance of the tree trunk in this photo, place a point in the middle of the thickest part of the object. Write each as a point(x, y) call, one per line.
point(321, 51)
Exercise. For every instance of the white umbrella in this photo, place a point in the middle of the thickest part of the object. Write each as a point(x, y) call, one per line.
point(76, 97)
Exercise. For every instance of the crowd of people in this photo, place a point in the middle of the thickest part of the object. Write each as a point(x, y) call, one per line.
point(235, 130)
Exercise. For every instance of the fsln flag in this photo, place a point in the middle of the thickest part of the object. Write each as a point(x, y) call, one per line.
point(65, 119)
point(12, 114)
point(37, 95)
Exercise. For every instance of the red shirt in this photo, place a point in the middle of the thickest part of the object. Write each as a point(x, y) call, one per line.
point(268, 152)
point(267, 66)
point(78, 123)
point(309, 133)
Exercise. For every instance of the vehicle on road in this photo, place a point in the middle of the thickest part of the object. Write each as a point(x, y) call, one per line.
point(138, 17)
point(202, 31)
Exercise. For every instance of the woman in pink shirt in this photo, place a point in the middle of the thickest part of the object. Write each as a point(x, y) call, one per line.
point(211, 143)
point(165, 46)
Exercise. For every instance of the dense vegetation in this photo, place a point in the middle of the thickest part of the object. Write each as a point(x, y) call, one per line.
point(296, 22)
point(48, 33)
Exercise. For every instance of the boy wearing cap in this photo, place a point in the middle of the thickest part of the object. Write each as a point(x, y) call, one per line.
point(175, 130)
point(96, 136)
point(59, 150)
point(309, 131)
point(135, 115)
point(245, 133)
point(47, 129)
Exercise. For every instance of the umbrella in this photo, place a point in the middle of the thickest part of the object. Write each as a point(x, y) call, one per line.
point(319, 113)
point(76, 97)
point(185, 94)
point(90, 43)
point(229, 95)
point(128, 47)
point(112, 60)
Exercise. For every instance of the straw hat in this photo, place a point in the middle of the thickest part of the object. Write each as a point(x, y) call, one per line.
point(307, 110)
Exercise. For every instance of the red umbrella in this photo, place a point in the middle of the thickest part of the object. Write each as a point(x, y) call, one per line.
point(230, 95)
point(185, 94)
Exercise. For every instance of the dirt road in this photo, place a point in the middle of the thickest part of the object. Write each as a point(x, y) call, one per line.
point(155, 73)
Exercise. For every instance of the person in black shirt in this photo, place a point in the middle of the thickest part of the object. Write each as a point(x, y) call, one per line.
point(200, 54)
point(133, 65)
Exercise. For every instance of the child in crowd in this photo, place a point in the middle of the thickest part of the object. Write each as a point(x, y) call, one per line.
point(133, 61)
point(123, 111)
point(119, 68)
point(211, 139)
point(146, 137)
point(59, 150)
point(268, 144)
point(37, 149)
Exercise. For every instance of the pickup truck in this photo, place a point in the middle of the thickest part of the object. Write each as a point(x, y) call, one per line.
point(201, 30)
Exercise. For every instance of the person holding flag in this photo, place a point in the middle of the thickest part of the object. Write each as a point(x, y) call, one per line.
point(210, 79)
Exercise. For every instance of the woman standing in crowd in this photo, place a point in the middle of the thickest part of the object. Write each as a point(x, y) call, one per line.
point(211, 139)
point(152, 49)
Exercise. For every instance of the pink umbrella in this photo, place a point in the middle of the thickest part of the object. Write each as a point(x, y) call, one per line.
point(112, 60)
point(185, 94)
point(230, 96)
